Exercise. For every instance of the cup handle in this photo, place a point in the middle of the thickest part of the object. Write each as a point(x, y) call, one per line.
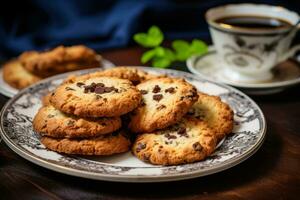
point(290, 53)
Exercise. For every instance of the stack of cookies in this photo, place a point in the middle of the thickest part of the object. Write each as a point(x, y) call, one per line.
point(32, 66)
point(169, 121)
point(83, 116)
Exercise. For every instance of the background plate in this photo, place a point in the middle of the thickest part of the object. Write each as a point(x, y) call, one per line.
point(249, 132)
point(9, 91)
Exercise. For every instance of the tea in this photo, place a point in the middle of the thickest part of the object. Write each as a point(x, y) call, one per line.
point(257, 22)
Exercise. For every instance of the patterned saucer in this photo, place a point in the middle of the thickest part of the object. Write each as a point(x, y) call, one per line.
point(249, 133)
point(285, 74)
point(9, 91)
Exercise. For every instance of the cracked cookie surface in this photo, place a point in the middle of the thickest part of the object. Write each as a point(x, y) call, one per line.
point(189, 140)
point(51, 122)
point(165, 101)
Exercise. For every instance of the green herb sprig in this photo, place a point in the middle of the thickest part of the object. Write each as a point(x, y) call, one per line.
point(162, 57)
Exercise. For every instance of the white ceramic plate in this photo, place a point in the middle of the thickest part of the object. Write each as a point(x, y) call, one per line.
point(208, 66)
point(249, 132)
point(9, 91)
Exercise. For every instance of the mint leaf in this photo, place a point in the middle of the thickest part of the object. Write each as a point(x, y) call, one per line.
point(198, 47)
point(158, 52)
point(154, 31)
point(169, 54)
point(152, 38)
point(161, 62)
point(181, 48)
point(141, 39)
point(184, 50)
point(148, 55)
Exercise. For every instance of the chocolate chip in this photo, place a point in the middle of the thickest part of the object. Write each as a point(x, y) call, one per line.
point(100, 85)
point(157, 97)
point(79, 84)
point(71, 123)
point(140, 146)
point(160, 107)
point(98, 97)
point(146, 157)
point(169, 136)
point(171, 90)
point(191, 112)
point(197, 146)
point(143, 103)
point(110, 89)
point(144, 92)
point(105, 99)
point(50, 116)
point(53, 93)
point(99, 90)
point(68, 88)
point(182, 132)
point(156, 89)
point(122, 89)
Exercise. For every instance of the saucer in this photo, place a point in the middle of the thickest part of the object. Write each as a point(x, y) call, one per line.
point(285, 74)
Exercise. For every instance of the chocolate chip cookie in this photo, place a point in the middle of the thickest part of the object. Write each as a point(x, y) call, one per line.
point(216, 113)
point(17, 76)
point(102, 145)
point(59, 60)
point(165, 101)
point(187, 141)
point(133, 74)
point(51, 122)
point(96, 97)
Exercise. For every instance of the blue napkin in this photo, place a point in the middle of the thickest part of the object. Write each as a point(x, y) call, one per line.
point(43, 24)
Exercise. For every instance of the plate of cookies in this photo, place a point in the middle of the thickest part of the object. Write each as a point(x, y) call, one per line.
point(33, 66)
point(133, 124)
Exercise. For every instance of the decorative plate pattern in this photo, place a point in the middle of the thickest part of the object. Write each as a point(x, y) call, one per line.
point(9, 91)
point(249, 132)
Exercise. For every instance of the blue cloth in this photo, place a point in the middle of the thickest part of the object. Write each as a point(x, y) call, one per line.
point(42, 24)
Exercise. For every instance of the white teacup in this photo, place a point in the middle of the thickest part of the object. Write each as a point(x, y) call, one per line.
point(249, 54)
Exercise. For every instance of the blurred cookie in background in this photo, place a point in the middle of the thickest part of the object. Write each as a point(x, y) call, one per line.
point(17, 76)
point(32, 66)
point(59, 60)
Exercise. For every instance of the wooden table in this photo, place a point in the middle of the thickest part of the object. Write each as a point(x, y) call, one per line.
point(272, 173)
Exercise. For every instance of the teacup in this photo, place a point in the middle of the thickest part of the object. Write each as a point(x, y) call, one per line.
point(248, 54)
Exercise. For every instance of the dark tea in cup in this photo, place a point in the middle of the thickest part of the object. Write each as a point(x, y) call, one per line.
point(254, 22)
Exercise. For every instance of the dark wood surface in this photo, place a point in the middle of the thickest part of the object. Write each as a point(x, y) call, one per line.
point(272, 173)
